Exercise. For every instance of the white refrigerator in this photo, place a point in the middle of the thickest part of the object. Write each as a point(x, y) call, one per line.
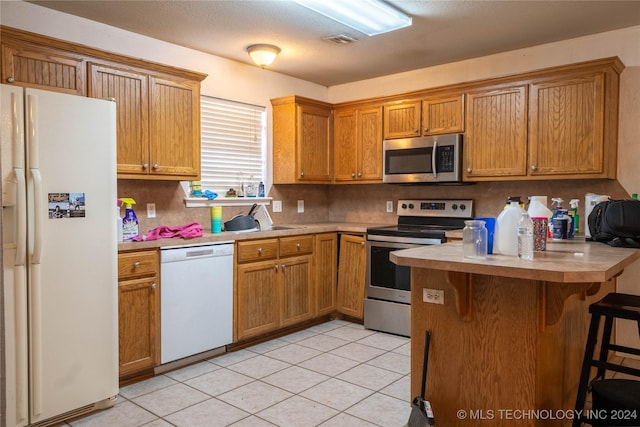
point(59, 309)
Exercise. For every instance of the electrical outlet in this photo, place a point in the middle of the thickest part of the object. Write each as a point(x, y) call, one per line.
point(300, 206)
point(389, 205)
point(277, 205)
point(433, 296)
point(151, 210)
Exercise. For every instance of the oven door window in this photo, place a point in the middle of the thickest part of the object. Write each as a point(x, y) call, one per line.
point(384, 273)
point(408, 161)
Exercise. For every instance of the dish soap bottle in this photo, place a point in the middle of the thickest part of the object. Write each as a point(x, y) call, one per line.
point(130, 226)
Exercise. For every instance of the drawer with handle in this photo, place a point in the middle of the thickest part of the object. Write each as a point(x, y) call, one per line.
point(139, 263)
point(257, 250)
point(296, 245)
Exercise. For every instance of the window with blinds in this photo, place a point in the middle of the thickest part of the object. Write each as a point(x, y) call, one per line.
point(232, 136)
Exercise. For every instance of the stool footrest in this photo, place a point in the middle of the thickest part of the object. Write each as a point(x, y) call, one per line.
point(616, 368)
point(624, 349)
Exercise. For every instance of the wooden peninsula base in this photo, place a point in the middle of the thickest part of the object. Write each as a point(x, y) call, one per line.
point(507, 344)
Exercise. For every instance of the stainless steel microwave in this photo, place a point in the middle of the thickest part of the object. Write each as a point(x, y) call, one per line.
point(428, 159)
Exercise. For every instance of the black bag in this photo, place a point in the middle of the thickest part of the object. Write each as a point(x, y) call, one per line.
point(421, 413)
point(616, 223)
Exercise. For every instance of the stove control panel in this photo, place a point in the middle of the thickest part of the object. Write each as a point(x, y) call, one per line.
point(455, 208)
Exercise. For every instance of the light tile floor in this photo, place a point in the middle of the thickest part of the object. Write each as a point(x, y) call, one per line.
point(335, 374)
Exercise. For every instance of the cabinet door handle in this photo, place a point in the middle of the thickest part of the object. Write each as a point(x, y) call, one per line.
point(298, 246)
point(426, 130)
point(276, 267)
point(353, 175)
point(10, 80)
point(533, 167)
point(136, 264)
point(145, 166)
point(468, 170)
point(153, 286)
point(283, 267)
point(301, 174)
point(259, 251)
point(361, 243)
point(359, 174)
point(416, 131)
point(156, 166)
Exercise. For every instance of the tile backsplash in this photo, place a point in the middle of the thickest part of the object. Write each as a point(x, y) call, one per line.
point(364, 203)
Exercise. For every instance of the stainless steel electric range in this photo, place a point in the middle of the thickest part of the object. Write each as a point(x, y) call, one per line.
point(388, 286)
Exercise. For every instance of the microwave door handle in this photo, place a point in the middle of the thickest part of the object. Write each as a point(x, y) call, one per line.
point(434, 155)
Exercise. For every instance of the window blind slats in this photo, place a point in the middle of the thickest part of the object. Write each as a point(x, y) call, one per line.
point(232, 143)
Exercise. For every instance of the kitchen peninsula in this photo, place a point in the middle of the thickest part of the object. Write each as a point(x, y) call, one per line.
point(508, 339)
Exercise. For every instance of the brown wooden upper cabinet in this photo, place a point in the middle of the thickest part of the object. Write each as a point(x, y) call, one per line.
point(443, 115)
point(158, 107)
point(29, 65)
point(402, 119)
point(357, 145)
point(434, 115)
point(301, 140)
point(495, 143)
point(559, 123)
point(158, 121)
point(567, 128)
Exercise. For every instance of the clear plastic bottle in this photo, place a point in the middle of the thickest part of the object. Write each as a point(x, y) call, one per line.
point(474, 239)
point(525, 237)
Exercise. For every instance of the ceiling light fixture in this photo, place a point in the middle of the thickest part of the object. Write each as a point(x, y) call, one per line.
point(263, 55)
point(370, 17)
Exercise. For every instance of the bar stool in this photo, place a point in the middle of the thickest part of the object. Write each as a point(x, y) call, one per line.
point(610, 397)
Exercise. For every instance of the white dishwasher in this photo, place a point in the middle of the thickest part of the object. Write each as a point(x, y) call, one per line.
point(196, 299)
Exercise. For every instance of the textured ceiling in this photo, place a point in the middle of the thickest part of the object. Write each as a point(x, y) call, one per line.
point(442, 31)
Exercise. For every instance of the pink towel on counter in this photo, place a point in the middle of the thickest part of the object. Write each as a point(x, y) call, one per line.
point(187, 231)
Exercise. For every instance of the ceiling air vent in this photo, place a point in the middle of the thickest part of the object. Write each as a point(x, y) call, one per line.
point(339, 39)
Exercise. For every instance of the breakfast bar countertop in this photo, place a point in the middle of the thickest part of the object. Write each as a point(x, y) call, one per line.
point(506, 333)
point(573, 261)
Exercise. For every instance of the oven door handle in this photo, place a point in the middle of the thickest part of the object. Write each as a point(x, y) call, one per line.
point(434, 155)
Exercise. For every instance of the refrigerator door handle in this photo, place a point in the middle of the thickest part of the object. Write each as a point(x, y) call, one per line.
point(21, 217)
point(18, 140)
point(32, 143)
point(38, 215)
point(20, 185)
point(32, 134)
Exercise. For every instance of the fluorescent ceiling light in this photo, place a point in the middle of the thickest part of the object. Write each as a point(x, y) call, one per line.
point(370, 17)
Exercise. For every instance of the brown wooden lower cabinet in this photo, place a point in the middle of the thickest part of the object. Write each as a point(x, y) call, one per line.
point(274, 284)
point(257, 299)
point(138, 312)
point(297, 289)
point(351, 275)
point(326, 267)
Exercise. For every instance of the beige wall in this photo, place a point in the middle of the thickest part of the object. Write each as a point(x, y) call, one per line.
point(232, 80)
